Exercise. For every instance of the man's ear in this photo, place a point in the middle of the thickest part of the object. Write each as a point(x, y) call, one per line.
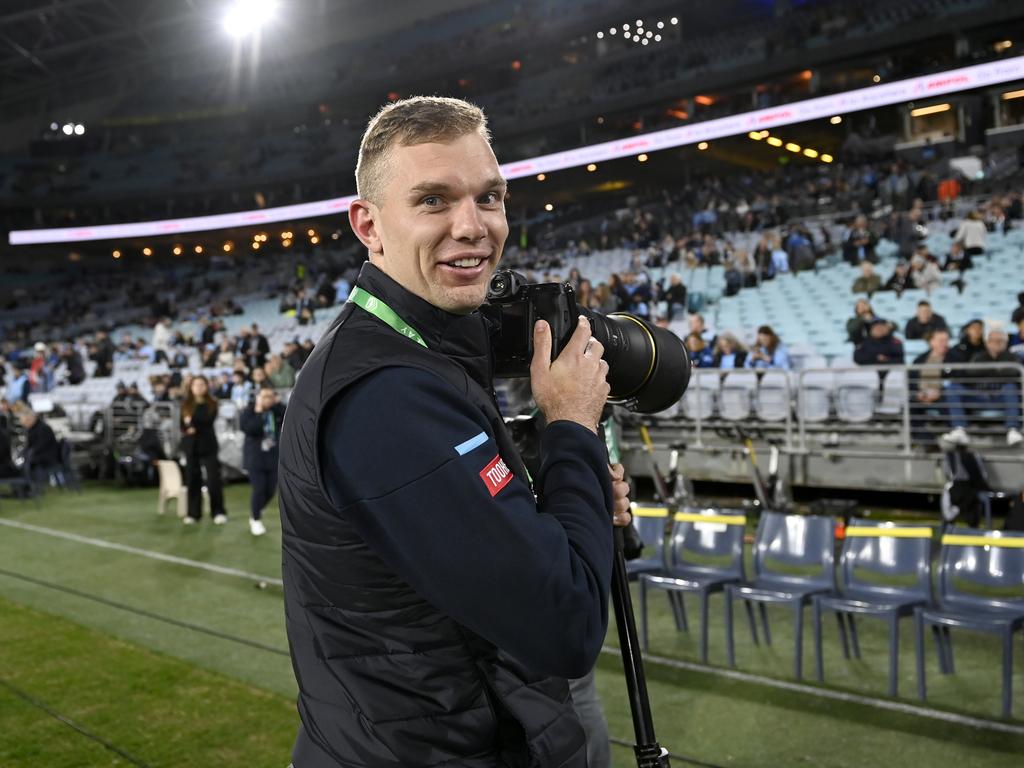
point(362, 216)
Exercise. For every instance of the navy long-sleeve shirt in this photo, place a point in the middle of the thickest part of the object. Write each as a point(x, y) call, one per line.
point(427, 490)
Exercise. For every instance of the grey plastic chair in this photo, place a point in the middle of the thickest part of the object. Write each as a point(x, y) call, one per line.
point(886, 573)
point(794, 559)
point(981, 588)
point(651, 523)
point(703, 555)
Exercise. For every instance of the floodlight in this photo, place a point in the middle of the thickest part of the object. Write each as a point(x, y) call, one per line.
point(244, 17)
point(68, 129)
point(79, 129)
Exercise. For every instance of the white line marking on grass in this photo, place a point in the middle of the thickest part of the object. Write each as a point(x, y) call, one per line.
point(826, 693)
point(142, 552)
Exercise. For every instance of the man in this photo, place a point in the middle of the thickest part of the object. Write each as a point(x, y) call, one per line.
point(868, 282)
point(928, 386)
point(1016, 343)
point(859, 243)
point(279, 373)
point(261, 423)
point(257, 348)
point(971, 341)
point(42, 450)
point(880, 347)
point(924, 321)
point(434, 605)
point(995, 388)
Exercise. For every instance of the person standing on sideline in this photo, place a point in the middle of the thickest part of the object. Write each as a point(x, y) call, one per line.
point(438, 596)
point(199, 447)
point(261, 423)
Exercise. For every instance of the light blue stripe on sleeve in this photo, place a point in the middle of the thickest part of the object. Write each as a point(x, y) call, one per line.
point(463, 448)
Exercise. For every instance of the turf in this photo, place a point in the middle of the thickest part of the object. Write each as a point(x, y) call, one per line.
point(201, 675)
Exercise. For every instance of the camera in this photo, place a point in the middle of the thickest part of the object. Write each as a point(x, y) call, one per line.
point(648, 367)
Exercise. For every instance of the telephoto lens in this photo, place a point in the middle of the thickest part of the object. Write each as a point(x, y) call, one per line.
point(648, 367)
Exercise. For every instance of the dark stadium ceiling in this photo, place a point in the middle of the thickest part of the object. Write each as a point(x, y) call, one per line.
point(50, 47)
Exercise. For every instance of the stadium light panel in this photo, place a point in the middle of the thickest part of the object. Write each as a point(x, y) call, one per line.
point(661, 25)
point(198, 249)
point(245, 17)
point(826, 158)
point(836, 119)
point(755, 135)
point(79, 129)
point(793, 147)
point(147, 251)
point(657, 38)
point(600, 35)
point(116, 254)
point(541, 176)
point(702, 146)
point(812, 153)
point(177, 250)
point(68, 129)
point(548, 207)
point(934, 109)
point(591, 167)
point(642, 157)
point(613, 31)
point(673, 21)
point(775, 141)
point(645, 41)
point(1013, 95)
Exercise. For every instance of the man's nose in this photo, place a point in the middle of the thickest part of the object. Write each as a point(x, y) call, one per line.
point(467, 223)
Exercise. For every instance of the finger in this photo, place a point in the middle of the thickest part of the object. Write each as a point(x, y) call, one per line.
point(620, 490)
point(622, 519)
point(578, 343)
point(541, 349)
point(618, 471)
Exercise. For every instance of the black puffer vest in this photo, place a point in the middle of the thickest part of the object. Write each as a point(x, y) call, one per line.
point(385, 678)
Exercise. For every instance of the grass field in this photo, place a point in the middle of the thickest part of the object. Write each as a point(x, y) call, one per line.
point(112, 657)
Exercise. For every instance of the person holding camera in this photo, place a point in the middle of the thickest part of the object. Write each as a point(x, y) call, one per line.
point(261, 423)
point(436, 596)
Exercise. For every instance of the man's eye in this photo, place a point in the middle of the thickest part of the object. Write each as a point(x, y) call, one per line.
point(432, 201)
point(490, 198)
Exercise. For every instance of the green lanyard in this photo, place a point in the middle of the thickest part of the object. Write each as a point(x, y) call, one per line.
point(384, 313)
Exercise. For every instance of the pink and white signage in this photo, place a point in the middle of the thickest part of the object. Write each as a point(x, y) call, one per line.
point(917, 88)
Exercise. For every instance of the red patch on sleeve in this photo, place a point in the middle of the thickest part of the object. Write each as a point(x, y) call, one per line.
point(496, 475)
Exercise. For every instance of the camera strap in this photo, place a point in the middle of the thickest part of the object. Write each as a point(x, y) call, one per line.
point(363, 298)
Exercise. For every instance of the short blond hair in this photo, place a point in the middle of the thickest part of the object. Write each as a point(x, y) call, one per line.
point(416, 120)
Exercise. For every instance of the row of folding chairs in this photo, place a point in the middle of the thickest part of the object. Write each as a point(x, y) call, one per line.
point(886, 573)
point(854, 396)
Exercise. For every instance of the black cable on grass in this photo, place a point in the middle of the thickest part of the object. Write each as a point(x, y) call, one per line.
point(672, 755)
point(73, 725)
point(145, 613)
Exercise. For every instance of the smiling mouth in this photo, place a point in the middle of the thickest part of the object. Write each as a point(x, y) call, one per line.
point(471, 263)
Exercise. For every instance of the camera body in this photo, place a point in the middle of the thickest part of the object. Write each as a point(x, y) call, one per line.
point(515, 305)
point(648, 366)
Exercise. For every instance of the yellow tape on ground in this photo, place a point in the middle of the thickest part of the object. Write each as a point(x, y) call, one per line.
point(1016, 542)
point(895, 533)
point(696, 517)
point(649, 512)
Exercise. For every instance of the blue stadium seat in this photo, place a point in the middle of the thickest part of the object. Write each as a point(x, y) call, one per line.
point(794, 559)
point(651, 523)
point(704, 554)
point(981, 588)
point(886, 573)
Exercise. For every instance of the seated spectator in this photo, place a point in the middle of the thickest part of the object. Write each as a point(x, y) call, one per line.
point(221, 387)
point(1018, 313)
point(1016, 345)
point(780, 259)
point(700, 353)
point(924, 322)
point(675, 295)
point(929, 386)
point(179, 359)
point(857, 326)
point(697, 326)
point(42, 450)
point(868, 282)
point(925, 273)
point(279, 373)
point(768, 352)
point(881, 347)
point(900, 279)
point(958, 260)
point(19, 388)
point(241, 389)
point(72, 361)
point(225, 354)
point(970, 343)
point(996, 388)
point(972, 234)
point(859, 243)
point(728, 352)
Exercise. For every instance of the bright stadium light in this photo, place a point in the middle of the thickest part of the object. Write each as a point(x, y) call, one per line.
point(79, 129)
point(68, 129)
point(244, 17)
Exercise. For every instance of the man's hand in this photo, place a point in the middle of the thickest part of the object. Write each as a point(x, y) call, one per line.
point(621, 516)
point(574, 386)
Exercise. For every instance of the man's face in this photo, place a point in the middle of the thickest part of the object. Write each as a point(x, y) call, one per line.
point(439, 226)
point(924, 313)
point(974, 333)
point(879, 330)
point(939, 343)
point(995, 343)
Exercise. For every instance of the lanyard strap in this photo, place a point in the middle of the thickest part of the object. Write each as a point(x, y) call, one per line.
point(363, 298)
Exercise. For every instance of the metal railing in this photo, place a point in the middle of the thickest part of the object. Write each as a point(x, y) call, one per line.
point(899, 406)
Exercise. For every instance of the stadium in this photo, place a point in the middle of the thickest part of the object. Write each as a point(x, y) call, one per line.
point(797, 228)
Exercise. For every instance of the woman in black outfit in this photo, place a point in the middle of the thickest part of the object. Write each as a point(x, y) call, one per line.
point(199, 446)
